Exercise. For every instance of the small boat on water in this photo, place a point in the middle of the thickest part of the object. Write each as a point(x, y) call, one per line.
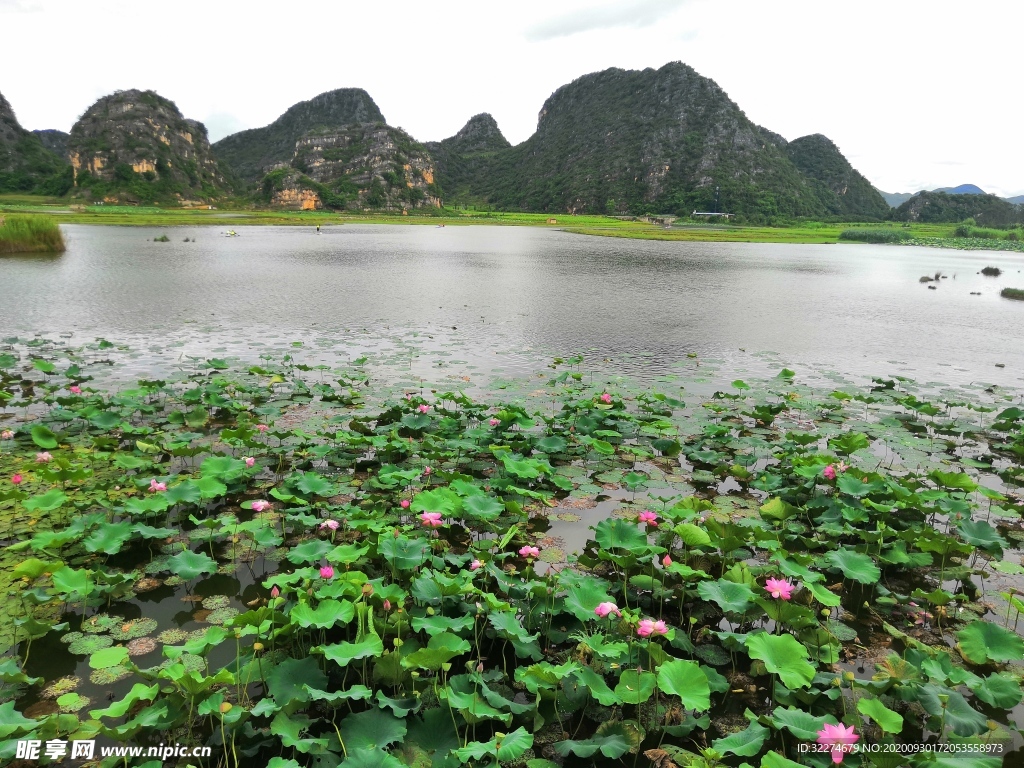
point(231, 233)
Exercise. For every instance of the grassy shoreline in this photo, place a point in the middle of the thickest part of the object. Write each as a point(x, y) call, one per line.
point(811, 232)
point(30, 234)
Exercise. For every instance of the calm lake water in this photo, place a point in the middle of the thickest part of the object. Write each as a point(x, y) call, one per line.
point(527, 294)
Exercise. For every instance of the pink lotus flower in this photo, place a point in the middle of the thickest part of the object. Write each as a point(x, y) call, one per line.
point(528, 551)
point(605, 609)
point(648, 517)
point(842, 466)
point(75, 390)
point(326, 572)
point(155, 486)
point(332, 524)
point(779, 589)
point(16, 479)
point(260, 506)
point(476, 564)
point(839, 738)
point(423, 408)
point(494, 422)
point(649, 627)
point(44, 457)
point(275, 592)
point(829, 472)
point(666, 561)
point(404, 503)
point(606, 398)
point(387, 605)
point(249, 460)
point(427, 470)
point(6, 435)
point(262, 427)
point(431, 519)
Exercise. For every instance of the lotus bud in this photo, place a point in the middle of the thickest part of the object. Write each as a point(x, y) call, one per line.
point(387, 605)
point(430, 611)
point(446, 667)
point(848, 677)
point(480, 666)
point(367, 589)
point(225, 707)
point(826, 612)
point(257, 647)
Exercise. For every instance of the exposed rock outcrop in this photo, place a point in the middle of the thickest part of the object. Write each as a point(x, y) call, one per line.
point(136, 145)
point(252, 153)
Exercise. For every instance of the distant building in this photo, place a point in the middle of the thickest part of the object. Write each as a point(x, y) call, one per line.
point(707, 213)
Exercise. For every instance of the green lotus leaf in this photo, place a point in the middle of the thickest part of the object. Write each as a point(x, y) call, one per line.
point(803, 725)
point(404, 553)
point(12, 721)
point(782, 655)
point(692, 535)
point(44, 437)
point(888, 721)
point(483, 507)
point(109, 537)
point(291, 680)
point(443, 500)
point(981, 642)
point(109, 657)
point(685, 680)
point(373, 729)
point(612, 746)
point(637, 687)
point(958, 481)
point(309, 552)
point(328, 613)
point(746, 743)
point(47, 502)
point(615, 533)
point(188, 565)
point(727, 595)
point(980, 534)
point(999, 690)
point(854, 565)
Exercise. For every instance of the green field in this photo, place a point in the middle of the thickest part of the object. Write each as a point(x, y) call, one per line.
point(940, 235)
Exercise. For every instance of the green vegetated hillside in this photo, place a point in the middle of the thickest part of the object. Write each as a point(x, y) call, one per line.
point(137, 146)
point(940, 207)
point(26, 164)
point(252, 153)
point(464, 160)
point(840, 188)
point(662, 141)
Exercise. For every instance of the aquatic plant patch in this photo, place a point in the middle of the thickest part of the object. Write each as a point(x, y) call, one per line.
point(381, 583)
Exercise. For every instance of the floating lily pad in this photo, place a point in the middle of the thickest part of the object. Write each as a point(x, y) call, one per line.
point(109, 675)
point(173, 636)
point(72, 702)
point(70, 637)
point(134, 628)
point(88, 644)
point(715, 655)
point(216, 601)
point(222, 615)
point(60, 687)
point(140, 646)
point(100, 623)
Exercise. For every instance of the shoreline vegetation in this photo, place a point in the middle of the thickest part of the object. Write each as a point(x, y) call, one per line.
point(958, 236)
point(30, 234)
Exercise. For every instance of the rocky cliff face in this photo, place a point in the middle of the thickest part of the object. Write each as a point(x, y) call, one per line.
point(26, 165)
point(136, 145)
point(54, 140)
point(252, 153)
point(841, 189)
point(369, 166)
point(666, 140)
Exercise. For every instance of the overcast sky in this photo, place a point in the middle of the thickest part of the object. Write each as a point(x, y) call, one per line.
point(916, 93)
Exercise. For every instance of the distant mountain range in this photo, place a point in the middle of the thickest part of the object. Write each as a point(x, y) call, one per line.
point(664, 141)
point(896, 199)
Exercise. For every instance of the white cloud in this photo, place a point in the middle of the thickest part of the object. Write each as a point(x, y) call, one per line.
point(633, 14)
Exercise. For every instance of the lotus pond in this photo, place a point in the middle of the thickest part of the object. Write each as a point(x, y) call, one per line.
point(298, 568)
